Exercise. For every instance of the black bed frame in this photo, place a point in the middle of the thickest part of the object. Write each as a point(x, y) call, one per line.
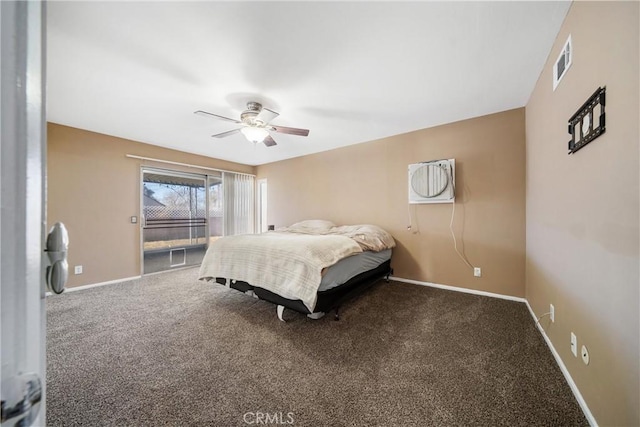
point(327, 300)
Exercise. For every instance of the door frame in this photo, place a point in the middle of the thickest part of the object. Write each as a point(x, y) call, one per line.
point(23, 190)
point(209, 177)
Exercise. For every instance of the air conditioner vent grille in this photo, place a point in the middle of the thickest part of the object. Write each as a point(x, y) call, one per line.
point(432, 182)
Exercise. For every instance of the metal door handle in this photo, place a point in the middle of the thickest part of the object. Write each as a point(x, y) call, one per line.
point(21, 396)
point(57, 246)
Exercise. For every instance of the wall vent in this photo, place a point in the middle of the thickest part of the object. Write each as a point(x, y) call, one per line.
point(563, 63)
point(432, 182)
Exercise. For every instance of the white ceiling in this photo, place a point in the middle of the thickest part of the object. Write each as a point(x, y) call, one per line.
point(349, 71)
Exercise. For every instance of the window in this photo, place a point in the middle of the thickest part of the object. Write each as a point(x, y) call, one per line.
point(174, 223)
point(183, 213)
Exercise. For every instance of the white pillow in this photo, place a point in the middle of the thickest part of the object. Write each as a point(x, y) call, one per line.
point(312, 226)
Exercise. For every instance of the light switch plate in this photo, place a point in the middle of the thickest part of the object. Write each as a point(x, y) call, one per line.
point(574, 344)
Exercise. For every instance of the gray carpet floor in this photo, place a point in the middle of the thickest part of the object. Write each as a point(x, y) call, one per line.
point(170, 350)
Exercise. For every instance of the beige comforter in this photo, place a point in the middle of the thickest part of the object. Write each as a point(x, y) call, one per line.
point(288, 264)
point(369, 237)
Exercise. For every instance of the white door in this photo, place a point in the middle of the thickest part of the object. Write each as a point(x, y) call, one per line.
point(22, 217)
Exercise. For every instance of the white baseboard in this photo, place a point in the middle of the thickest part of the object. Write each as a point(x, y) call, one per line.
point(457, 289)
point(565, 371)
point(574, 388)
point(95, 285)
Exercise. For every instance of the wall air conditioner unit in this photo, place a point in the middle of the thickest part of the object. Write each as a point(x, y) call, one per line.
point(432, 182)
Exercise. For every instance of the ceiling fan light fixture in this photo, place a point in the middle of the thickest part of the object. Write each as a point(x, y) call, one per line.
point(256, 124)
point(254, 134)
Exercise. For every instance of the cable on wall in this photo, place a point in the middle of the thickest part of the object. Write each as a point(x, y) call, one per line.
point(541, 316)
point(410, 226)
point(453, 212)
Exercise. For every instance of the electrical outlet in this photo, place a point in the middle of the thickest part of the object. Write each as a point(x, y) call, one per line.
point(552, 313)
point(77, 269)
point(585, 355)
point(477, 272)
point(574, 344)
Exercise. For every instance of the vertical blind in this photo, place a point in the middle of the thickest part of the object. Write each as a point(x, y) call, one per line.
point(239, 203)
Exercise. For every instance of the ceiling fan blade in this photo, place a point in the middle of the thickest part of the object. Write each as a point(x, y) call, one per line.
point(291, 131)
point(215, 116)
point(268, 141)
point(228, 133)
point(265, 115)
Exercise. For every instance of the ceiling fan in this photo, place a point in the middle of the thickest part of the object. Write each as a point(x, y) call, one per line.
point(255, 121)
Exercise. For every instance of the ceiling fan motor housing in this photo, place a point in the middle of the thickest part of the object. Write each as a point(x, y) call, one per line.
point(249, 115)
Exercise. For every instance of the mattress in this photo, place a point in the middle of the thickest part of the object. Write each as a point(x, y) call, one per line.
point(286, 263)
point(289, 264)
point(349, 267)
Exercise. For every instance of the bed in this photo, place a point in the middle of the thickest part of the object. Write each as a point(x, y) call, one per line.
point(311, 267)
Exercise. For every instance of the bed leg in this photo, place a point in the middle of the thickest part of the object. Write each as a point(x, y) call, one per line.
point(386, 278)
point(315, 316)
point(337, 316)
point(280, 310)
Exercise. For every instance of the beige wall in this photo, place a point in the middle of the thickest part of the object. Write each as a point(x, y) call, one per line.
point(367, 183)
point(583, 209)
point(94, 189)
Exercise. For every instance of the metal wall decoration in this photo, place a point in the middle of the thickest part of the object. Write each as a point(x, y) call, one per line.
point(588, 122)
